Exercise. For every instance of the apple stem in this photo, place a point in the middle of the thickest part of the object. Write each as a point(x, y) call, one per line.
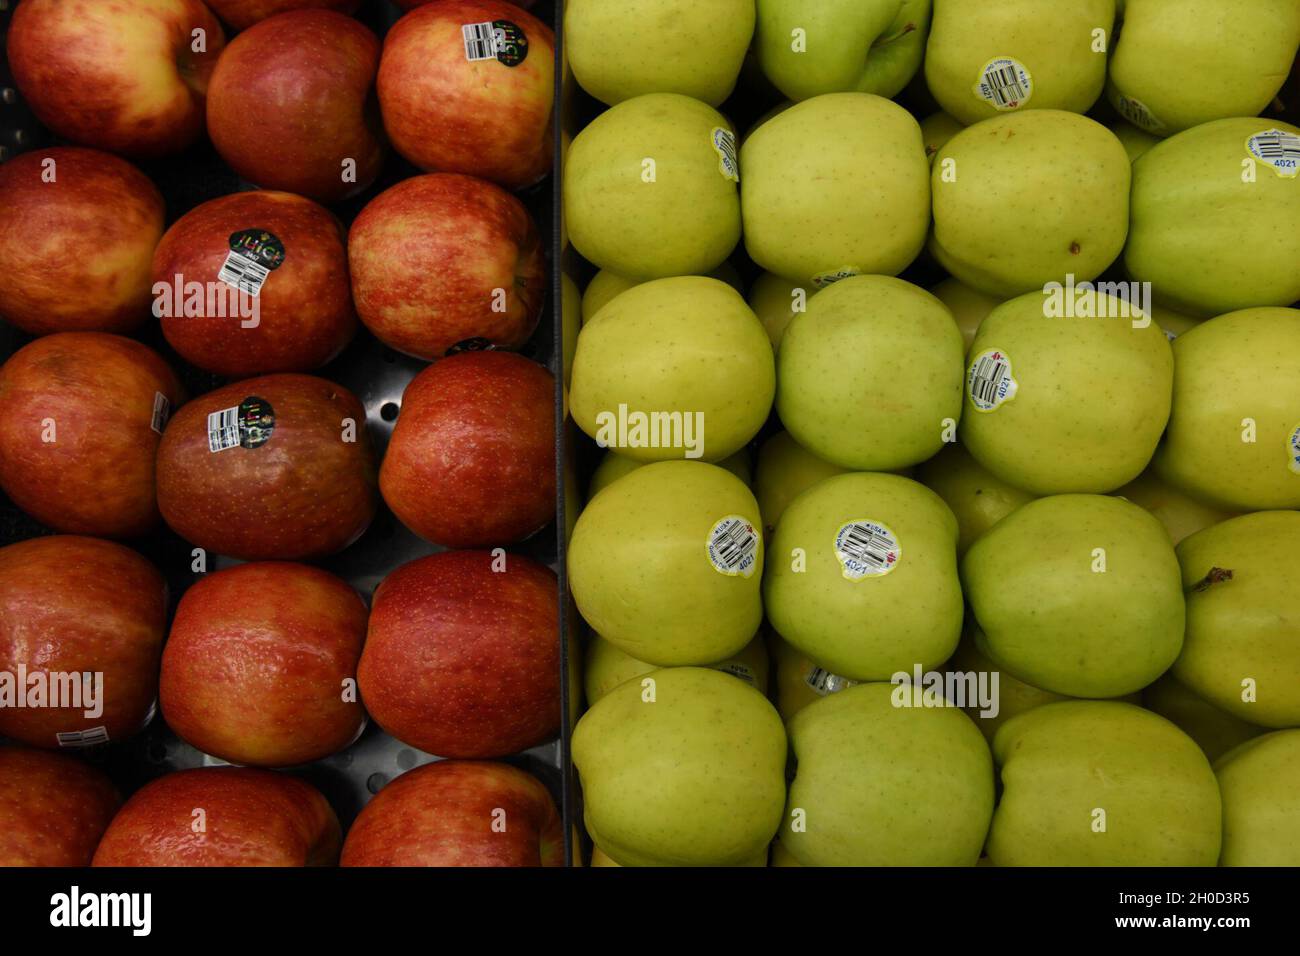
point(1213, 577)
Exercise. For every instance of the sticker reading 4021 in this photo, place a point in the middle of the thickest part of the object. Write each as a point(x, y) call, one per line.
point(866, 549)
point(1004, 83)
point(724, 143)
point(1277, 148)
point(989, 382)
point(733, 546)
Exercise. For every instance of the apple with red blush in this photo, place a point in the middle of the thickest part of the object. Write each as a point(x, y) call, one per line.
point(53, 808)
point(241, 14)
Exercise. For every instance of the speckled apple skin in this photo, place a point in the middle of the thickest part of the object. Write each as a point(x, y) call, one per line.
point(442, 814)
point(75, 252)
point(255, 668)
point(464, 661)
point(250, 818)
point(242, 14)
point(1260, 785)
point(53, 808)
point(73, 604)
point(304, 493)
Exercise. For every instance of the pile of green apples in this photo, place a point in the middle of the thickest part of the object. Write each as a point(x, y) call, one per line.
point(1015, 577)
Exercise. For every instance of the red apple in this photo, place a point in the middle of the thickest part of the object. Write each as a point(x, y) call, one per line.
point(293, 475)
point(458, 813)
point(261, 665)
point(223, 816)
point(53, 808)
point(412, 4)
point(77, 230)
point(81, 417)
point(296, 318)
point(126, 77)
point(481, 105)
point(462, 656)
point(290, 105)
point(241, 14)
point(472, 459)
point(71, 606)
point(442, 259)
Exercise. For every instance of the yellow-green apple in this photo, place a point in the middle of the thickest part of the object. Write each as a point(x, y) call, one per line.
point(605, 285)
point(797, 680)
point(1066, 400)
point(291, 105)
point(968, 306)
point(1064, 162)
point(775, 301)
point(255, 282)
point(1241, 577)
point(1179, 513)
point(890, 345)
point(570, 325)
point(674, 368)
point(77, 228)
point(936, 130)
point(606, 667)
point(476, 103)
point(276, 467)
point(1215, 730)
point(879, 784)
point(260, 666)
point(1234, 429)
point(1102, 783)
point(53, 808)
point(978, 498)
point(81, 418)
point(836, 46)
point(223, 816)
point(984, 59)
point(1260, 784)
point(242, 14)
point(1077, 594)
point(685, 767)
point(442, 259)
point(664, 46)
point(81, 629)
point(650, 188)
point(126, 78)
point(683, 528)
point(1168, 47)
point(1198, 199)
point(462, 656)
point(472, 459)
point(836, 185)
point(614, 466)
point(1014, 696)
point(1135, 141)
point(458, 813)
point(850, 556)
point(785, 470)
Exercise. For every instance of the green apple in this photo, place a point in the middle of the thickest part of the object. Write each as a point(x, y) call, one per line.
point(1180, 514)
point(1077, 594)
point(775, 301)
point(937, 129)
point(1070, 402)
point(785, 470)
point(977, 497)
point(986, 58)
point(666, 563)
point(878, 784)
point(864, 579)
point(870, 376)
point(1181, 63)
point(797, 681)
point(1013, 696)
point(1215, 731)
point(1135, 141)
point(1102, 783)
point(1210, 219)
point(570, 322)
point(781, 856)
point(606, 667)
point(836, 46)
point(1241, 653)
point(624, 49)
point(614, 466)
point(685, 770)
point(968, 306)
point(990, 228)
point(650, 188)
point(1234, 430)
point(1260, 784)
point(673, 368)
point(836, 185)
point(605, 285)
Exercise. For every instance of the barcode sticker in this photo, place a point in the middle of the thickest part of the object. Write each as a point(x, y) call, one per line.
point(1293, 450)
point(83, 738)
point(161, 412)
point(479, 42)
point(866, 549)
point(1004, 83)
point(1277, 148)
point(242, 273)
point(733, 546)
point(822, 279)
point(223, 429)
point(1136, 112)
point(248, 424)
point(500, 40)
point(724, 143)
point(823, 682)
point(989, 382)
point(740, 671)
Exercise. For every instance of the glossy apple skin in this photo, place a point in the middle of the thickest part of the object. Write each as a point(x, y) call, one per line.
point(97, 476)
point(472, 459)
point(242, 14)
point(53, 808)
point(479, 117)
point(290, 101)
point(252, 818)
point(304, 493)
point(70, 604)
point(75, 252)
point(117, 76)
point(442, 814)
point(305, 314)
point(255, 666)
point(464, 661)
point(426, 259)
